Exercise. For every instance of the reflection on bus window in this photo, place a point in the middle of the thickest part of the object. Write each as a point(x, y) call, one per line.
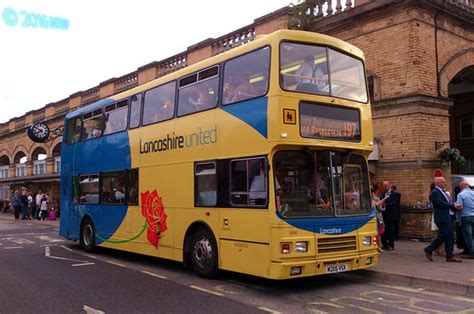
point(73, 130)
point(198, 92)
point(89, 189)
point(246, 77)
point(159, 103)
point(116, 117)
point(112, 188)
point(132, 187)
point(135, 110)
point(305, 68)
point(92, 124)
point(206, 184)
point(249, 182)
point(321, 184)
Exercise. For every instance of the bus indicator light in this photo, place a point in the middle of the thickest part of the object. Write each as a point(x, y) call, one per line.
point(285, 248)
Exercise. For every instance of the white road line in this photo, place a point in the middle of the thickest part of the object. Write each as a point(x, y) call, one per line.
point(207, 291)
point(56, 229)
point(48, 238)
point(116, 264)
point(153, 274)
point(44, 245)
point(47, 253)
point(83, 264)
point(12, 247)
point(66, 248)
point(90, 310)
point(266, 309)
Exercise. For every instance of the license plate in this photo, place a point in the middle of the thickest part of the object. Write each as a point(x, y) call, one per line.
point(336, 268)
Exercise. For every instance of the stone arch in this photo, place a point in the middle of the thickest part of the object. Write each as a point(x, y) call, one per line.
point(57, 142)
point(40, 150)
point(18, 156)
point(4, 160)
point(19, 149)
point(56, 150)
point(459, 61)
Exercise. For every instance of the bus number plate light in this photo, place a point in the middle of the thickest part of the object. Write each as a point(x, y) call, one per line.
point(295, 271)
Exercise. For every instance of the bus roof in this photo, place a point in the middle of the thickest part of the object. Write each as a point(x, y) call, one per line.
point(260, 41)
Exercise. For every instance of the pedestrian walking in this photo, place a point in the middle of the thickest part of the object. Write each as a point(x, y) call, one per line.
point(24, 205)
point(16, 204)
point(39, 198)
point(466, 199)
point(30, 205)
point(442, 205)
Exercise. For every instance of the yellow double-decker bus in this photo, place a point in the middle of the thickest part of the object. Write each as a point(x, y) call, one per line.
point(252, 161)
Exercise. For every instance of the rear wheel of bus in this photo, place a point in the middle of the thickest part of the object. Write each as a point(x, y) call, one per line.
point(204, 253)
point(88, 235)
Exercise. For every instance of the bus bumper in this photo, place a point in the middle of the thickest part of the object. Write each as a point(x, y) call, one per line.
point(295, 269)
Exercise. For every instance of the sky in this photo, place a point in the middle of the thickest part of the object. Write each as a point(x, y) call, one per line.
point(51, 49)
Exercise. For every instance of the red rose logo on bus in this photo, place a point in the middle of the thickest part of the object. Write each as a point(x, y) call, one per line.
point(154, 213)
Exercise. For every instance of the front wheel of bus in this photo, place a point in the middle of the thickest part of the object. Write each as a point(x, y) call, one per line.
point(88, 236)
point(204, 254)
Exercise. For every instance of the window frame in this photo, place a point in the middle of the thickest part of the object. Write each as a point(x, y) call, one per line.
point(248, 183)
point(115, 109)
point(216, 188)
point(460, 120)
point(221, 89)
point(140, 107)
point(198, 80)
point(327, 47)
point(143, 101)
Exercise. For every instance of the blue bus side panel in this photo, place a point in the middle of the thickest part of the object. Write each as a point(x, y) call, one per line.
point(107, 153)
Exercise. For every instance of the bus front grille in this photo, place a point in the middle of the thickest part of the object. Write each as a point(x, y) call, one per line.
point(336, 244)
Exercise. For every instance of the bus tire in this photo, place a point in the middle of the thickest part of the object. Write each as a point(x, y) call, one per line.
point(88, 236)
point(204, 254)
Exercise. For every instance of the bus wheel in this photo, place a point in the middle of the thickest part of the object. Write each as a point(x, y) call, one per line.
point(204, 254)
point(88, 236)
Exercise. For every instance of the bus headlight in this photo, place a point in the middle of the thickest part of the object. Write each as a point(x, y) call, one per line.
point(285, 247)
point(367, 240)
point(301, 246)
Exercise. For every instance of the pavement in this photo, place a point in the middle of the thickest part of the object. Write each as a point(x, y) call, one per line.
point(407, 266)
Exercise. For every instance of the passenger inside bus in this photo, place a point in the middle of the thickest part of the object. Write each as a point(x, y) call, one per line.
point(310, 76)
point(245, 90)
point(351, 197)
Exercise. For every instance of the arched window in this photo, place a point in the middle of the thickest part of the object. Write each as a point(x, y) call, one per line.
point(39, 161)
point(20, 164)
point(57, 158)
point(4, 167)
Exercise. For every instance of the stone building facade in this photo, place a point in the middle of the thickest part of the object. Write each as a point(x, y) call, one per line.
point(420, 61)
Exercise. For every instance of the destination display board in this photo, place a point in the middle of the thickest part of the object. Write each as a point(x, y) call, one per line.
point(329, 122)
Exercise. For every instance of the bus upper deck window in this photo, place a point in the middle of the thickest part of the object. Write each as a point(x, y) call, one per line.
point(116, 117)
point(73, 130)
point(159, 103)
point(246, 77)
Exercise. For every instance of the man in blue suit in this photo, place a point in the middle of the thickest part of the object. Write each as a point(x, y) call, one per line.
point(442, 206)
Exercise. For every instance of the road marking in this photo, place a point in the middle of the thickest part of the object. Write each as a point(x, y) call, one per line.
point(116, 264)
point(153, 274)
point(327, 304)
point(66, 248)
point(430, 293)
point(19, 240)
point(266, 309)
point(43, 245)
point(48, 238)
point(57, 229)
point(83, 264)
point(47, 253)
point(90, 310)
point(12, 247)
point(206, 290)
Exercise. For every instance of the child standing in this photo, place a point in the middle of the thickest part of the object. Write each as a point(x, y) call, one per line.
point(44, 207)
